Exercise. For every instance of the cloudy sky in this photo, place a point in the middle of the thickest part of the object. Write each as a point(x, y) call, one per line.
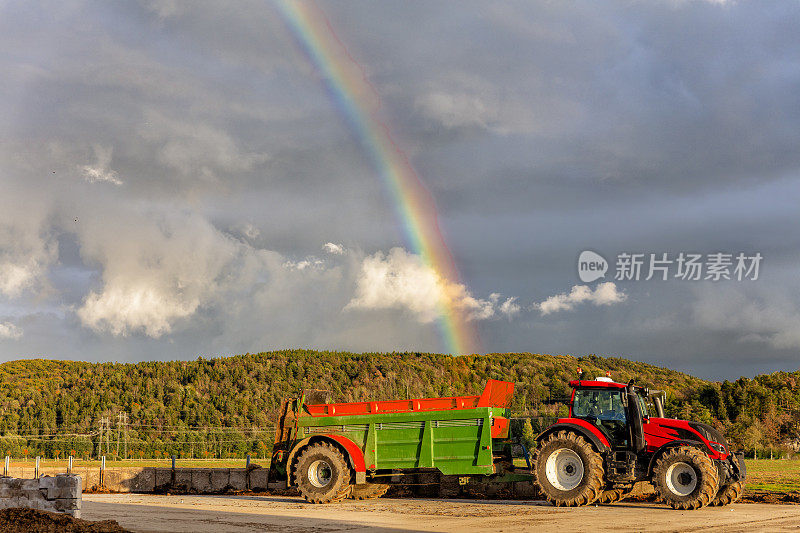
point(176, 180)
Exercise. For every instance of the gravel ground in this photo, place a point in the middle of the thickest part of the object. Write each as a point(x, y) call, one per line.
point(150, 513)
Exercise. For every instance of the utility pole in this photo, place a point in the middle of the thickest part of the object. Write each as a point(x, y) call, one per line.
point(105, 431)
point(119, 430)
point(126, 434)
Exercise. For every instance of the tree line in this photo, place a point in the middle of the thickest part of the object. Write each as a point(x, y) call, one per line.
point(225, 407)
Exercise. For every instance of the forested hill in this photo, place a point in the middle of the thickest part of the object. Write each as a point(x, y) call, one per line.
point(225, 406)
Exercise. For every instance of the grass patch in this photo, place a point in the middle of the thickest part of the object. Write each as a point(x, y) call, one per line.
point(773, 475)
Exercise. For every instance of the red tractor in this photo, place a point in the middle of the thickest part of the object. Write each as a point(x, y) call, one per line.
point(610, 441)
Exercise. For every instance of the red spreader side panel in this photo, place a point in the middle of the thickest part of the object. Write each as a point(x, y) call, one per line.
point(496, 394)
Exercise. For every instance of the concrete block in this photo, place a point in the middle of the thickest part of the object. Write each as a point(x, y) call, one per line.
point(61, 493)
point(219, 479)
point(92, 478)
point(143, 480)
point(67, 504)
point(116, 480)
point(258, 478)
point(48, 485)
point(201, 480)
point(29, 484)
point(183, 479)
point(163, 478)
point(237, 479)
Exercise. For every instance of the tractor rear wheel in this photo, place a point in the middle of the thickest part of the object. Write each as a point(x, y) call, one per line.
point(568, 470)
point(728, 494)
point(322, 474)
point(685, 478)
point(368, 491)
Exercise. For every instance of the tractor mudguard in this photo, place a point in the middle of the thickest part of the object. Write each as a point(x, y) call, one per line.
point(581, 427)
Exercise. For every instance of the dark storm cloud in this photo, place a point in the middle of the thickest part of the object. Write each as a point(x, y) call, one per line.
point(166, 166)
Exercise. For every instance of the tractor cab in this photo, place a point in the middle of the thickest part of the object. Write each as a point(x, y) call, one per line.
point(618, 410)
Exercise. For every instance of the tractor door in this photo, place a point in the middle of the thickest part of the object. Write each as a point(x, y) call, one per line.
point(605, 409)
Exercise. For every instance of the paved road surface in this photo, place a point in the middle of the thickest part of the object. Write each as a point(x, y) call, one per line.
point(150, 513)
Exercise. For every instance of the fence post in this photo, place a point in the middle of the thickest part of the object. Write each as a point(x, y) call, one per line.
point(5, 467)
point(102, 470)
point(69, 465)
point(36, 473)
point(247, 465)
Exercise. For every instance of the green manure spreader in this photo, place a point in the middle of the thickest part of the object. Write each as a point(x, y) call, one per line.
point(330, 451)
point(615, 435)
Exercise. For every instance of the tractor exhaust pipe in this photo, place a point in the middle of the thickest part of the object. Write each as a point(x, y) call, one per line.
point(657, 401)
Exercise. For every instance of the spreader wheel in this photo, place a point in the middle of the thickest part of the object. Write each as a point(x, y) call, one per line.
point(322, 474)
point(568, 470)
point(685, 478)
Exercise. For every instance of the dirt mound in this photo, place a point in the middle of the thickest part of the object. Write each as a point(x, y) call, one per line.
point(21, 520)
point(762, 496)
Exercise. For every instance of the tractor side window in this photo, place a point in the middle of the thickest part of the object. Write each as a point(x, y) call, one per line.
point(598, 404)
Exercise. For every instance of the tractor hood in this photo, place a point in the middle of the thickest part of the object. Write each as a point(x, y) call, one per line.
point(672, 429)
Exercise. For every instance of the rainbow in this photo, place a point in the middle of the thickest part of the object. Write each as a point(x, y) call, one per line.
point(358, 103)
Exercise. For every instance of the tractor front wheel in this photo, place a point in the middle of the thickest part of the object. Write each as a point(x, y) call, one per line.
point(568, 470)
point(322, 474)
point(368, 491)
point(685, 478)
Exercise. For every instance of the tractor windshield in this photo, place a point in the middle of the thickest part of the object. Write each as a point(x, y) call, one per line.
point(599, 404)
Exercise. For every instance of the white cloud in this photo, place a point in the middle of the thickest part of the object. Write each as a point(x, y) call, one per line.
point(9, 331)
point(333, 248)
point(769, 319)
point(100, 171)
point(195, 148)
point(27, 248)
point(401, 280)
point(308, 263)
point(509, 307)
point(455, 110)
point(604, 294)
point(156, 270)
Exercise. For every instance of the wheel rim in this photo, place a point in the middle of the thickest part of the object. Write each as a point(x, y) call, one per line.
point(681, 479)
point(320, 473)
point(564, 469)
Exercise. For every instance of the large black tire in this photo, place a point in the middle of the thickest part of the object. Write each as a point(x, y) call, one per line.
point(685, 478)
point(568, 470)
point(322, 474)
point(610, 496)
point(368, 491)
point(728, 494)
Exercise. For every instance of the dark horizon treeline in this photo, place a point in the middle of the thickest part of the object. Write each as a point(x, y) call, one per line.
point(224, 407)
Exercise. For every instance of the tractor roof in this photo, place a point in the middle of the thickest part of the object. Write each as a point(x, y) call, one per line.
point(591, 383)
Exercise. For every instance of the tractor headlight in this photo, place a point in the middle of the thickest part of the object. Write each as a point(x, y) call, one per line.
point(716, 446)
